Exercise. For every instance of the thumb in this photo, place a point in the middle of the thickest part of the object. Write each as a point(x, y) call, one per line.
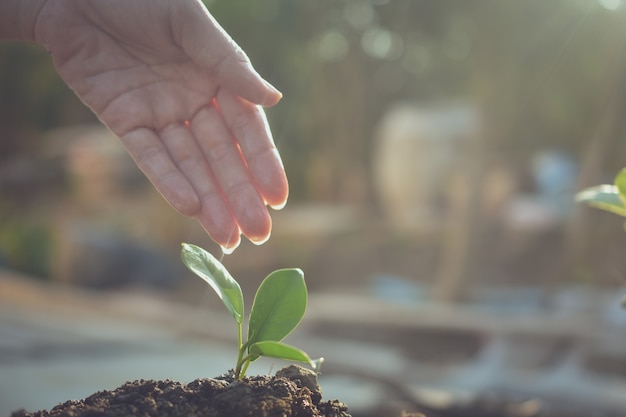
point(208, 44)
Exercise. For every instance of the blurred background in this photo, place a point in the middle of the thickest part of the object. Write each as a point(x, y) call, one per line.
point(433, 150)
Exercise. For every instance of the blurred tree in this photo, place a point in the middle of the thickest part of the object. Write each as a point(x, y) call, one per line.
point(341, 63)
point(537, 69)
point(537, 79)
point(32, 99)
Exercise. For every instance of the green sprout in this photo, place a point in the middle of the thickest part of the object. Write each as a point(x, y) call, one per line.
point(608, 197)
point(278, 307)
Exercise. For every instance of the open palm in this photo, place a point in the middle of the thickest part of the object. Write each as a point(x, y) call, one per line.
point(184, 100)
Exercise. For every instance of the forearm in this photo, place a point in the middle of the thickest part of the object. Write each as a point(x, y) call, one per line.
point(18, 19)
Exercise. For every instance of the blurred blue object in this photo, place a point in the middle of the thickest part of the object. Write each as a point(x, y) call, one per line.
point(555, 173)
point(398, 289)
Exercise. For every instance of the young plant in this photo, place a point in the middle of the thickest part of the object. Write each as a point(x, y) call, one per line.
point(609, 197)
point(278, 307)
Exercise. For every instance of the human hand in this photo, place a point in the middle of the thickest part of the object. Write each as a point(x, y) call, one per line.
point(184, 100)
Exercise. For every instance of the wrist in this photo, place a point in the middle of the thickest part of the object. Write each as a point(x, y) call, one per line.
point(18, 19)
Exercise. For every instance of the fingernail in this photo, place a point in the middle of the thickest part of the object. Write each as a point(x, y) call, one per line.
point(273, 89)
point(278, 206)
point(259, 241)
point(231, 249)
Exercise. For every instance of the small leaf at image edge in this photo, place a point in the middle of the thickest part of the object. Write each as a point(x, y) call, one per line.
point(620, 183)
point(605, 197)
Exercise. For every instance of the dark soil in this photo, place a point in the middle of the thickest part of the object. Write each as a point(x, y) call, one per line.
point(293, 392)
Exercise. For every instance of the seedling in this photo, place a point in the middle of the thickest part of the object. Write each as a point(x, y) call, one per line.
point(278, 307)
point(609, 197)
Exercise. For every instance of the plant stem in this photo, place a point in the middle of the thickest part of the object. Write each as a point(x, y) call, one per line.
point(240, 335)
point(242, 349)
point(245, 367)
point(243, 363)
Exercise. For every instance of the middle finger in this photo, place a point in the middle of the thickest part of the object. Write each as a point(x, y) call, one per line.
point(231, 173)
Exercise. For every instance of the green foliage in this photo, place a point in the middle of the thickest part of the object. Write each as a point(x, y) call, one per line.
point(611, 198)
point(281, 350)
point(608, 197)
point(278, 308)
point(25, 243)
point(204, 265)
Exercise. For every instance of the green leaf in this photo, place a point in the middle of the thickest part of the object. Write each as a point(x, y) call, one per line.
point(280, 350)
point(605, 197)
point(203, 264)
point(278, 307)
point(620, 183)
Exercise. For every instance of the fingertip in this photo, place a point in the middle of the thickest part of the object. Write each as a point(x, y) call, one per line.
point(228, 241)
point(269, 176)
point(219, 223)
point(273, 95)
point(229, 248)
point(276, 192)
point(276, 197)
point(280, 205)
point(253, 89)
point(258, 228)
point(261, 240)
point(260, 237)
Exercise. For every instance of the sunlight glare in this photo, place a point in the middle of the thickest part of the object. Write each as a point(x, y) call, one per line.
point(382, 44)
point(333, 46)
point(610, 4)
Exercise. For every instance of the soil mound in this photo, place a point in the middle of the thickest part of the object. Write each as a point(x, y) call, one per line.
point(293, 392)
